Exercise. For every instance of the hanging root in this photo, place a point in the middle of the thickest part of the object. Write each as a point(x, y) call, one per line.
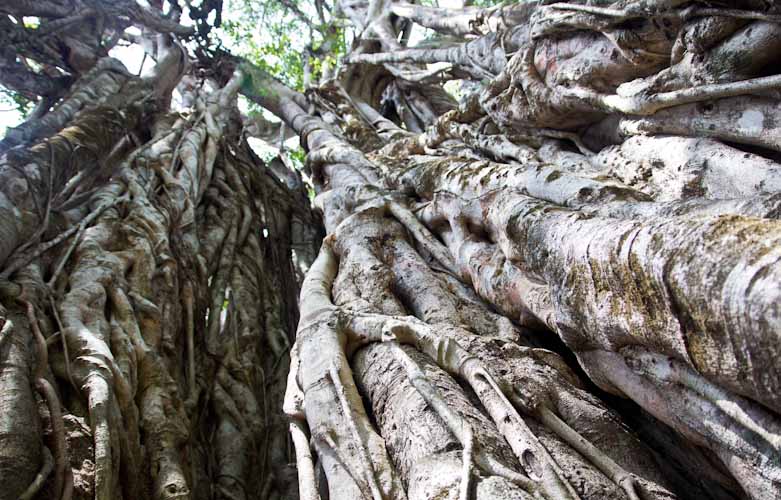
point(684, 14)
point(423, 236)
point(99, 393)
point(189, 301)
point(63, 341)
point(355, 458)
point(347, 411)
point(546, 476)
point(47, 392)
point(457, 425)
point(462, 431)
point(602, 462)
point(46, 469)
point(746, 414)
point(293, 407)
point(307, 489)
point(524, 442)
point(650, 104)
point(44, 247)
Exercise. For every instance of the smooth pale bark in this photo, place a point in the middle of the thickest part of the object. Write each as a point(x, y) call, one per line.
point(673, 168)
point(670, 304)
point(466, 21)
point(546, 204)
point(481, 58)
point(428, 296)
point(360, 271)
point(584, 276)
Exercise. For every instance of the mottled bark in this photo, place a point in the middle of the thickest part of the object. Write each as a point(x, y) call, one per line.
point(566, 287)
point(160, 257)
point(653, 259)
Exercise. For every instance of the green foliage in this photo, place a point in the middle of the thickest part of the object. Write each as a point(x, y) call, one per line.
point(277, 36)
point(485, 3)
point(297, 157)
point(14, 108)
point(13, 101)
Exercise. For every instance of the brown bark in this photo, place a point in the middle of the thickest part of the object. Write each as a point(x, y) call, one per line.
point(165, 285)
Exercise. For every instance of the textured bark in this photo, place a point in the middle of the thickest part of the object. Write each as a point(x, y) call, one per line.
point(653, 260)
point(159, 256)
point(565, 286)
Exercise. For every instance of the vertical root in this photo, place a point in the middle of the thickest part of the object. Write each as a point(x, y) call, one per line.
point(307, 489)
point(552, 479)
point(293, 408)
point(47, 392)
point(548, 478)
point(371, 477)
point(63, 340)
point(601, 461)
point(46, 469)
point(457, 425)
point(97, 388)
point(424, 237)
point(58, 434)
point(466, 474)
point(187, 295)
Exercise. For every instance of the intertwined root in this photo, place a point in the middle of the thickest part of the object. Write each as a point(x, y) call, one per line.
point(47, 392)
point(328, 332)
point(176, 227)
point(324, 393)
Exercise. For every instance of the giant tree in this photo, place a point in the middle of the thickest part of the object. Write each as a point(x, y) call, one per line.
point(561, 282)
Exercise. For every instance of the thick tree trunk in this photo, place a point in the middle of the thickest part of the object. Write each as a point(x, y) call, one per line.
point(155, 253)
point(654, 261)
point(564, 287)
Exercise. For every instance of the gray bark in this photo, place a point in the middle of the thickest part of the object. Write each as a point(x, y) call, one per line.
point(564, 287)
point(162, 274)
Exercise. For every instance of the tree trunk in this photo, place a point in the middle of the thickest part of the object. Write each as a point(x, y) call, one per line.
point(154, 252)
point(564, 286)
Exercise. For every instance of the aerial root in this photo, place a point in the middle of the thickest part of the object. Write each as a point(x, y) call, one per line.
point(42, 248)
point(293, 407)
point(553, 482)
point(58, 434)
point(742, 411)
point(457, 424)
point(63, 341)
point(98, 396)
point(46, 469)
point(423, 236)
point(645, 105)
point(601, 461)
point(307, 489)
point(189, 301)
point(49, 395)
point(454, 359)
point(683, 14)
point(347, 411)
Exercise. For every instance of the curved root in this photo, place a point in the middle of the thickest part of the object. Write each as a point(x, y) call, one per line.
point(47, 392)
point(46, 469)
point(604, 463)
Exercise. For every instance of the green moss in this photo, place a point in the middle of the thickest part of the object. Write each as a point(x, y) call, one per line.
point(553, 176)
